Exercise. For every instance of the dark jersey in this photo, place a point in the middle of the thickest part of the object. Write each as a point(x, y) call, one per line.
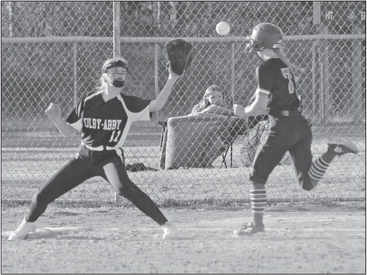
point(107, 123)
point(275, 79)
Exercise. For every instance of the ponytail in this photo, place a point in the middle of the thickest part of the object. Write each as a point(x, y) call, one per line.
point(285, 59)
point(291, 66)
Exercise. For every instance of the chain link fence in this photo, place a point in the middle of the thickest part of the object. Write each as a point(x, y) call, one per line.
point(53, 52)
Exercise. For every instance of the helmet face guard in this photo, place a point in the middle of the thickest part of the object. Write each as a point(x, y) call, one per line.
point(112, 63)
point(264, 36)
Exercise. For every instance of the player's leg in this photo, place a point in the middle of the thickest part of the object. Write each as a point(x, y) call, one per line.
point(302, 161)
point(321, 164)
point(258, 203)
point(70, 176)
point(309, 172)
point(116, 175)
point(268, 157)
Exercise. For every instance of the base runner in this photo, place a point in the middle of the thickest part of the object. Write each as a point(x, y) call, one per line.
point(289, 129)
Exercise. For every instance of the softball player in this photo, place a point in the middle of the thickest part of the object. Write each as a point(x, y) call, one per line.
point(290, 131)
point(103, 117)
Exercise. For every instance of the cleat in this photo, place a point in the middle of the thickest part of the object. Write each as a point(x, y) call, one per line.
point(343, 148)
point(249, 229)
point(22, 230)
point(169, 231)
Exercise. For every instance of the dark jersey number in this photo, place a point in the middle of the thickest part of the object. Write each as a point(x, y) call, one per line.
point(287, 74)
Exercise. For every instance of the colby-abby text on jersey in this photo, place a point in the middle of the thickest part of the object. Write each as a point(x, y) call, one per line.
point(101, 124)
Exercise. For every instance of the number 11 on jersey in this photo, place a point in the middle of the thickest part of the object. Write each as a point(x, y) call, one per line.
point(115, 136)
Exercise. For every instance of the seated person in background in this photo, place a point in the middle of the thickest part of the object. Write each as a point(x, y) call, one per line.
point(198, 139)
point(212, 103)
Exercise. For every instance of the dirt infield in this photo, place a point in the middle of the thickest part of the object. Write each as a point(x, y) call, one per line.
point(109, 240)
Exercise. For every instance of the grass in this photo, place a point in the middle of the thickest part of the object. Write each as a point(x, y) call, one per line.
point(187, 187)
point(25, 168)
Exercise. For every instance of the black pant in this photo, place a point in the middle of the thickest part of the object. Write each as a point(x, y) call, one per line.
point(292, 133)
point(106, 164)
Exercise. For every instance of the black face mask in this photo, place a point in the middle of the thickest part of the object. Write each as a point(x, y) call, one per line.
point(118, 83)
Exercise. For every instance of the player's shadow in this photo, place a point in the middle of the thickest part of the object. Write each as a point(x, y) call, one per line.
point(57, 233)
point(67, 237)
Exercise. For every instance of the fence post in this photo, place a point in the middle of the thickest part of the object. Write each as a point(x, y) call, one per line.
point(156, 73)
point(116, 49)
point(314, 86)
point(75, 74)
point(325, 98)
point(322, 57)
point(233, 60)
point(357, 80)
point(116, 29)
point(10, 11)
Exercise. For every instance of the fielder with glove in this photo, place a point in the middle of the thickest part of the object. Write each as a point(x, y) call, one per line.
point(103, 118)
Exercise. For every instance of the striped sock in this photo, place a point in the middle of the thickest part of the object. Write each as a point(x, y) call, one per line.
point(317, 170)
point(258, 201)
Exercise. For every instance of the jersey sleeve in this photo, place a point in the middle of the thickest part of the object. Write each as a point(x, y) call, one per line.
point(75, 117)
point(138, 107)
point(265, 79)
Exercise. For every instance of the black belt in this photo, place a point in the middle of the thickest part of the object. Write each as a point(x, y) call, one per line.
point(284, 113)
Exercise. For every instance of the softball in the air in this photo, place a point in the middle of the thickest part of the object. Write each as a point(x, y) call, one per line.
point(223, 28)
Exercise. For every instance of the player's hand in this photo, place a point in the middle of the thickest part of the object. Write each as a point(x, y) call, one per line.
point(53, 111)
point(238, 110)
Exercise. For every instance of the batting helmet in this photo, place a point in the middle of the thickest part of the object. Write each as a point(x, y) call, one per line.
point(265, 36)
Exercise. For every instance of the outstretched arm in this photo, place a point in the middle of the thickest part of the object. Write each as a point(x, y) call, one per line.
point(162, 98)
point(54, 113)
